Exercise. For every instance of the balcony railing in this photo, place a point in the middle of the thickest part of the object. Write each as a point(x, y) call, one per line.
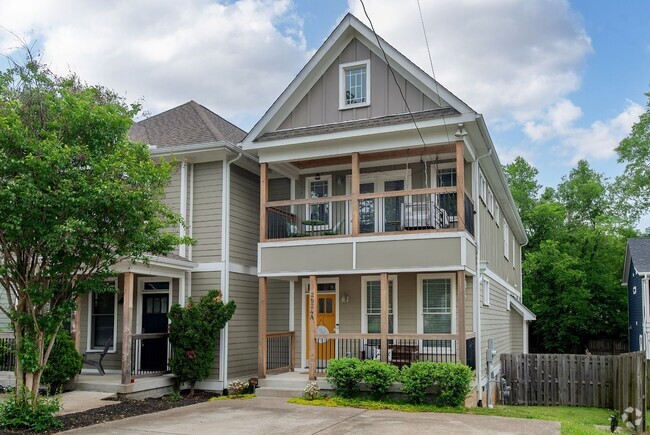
point(7, 353)
point(150, 354)
point(280, 350)
point(432, 209)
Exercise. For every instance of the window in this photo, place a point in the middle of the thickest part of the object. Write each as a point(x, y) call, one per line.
point(497, 213)
point(482, 186)
point(634, 290)
point(490, 201)
point(445, 176)
point(102, 322)
point(506, 240)
point(371, 304)
point(319, 187)
point(436, 301)
point(514, 252)
point(354, 83)
point(486, 291)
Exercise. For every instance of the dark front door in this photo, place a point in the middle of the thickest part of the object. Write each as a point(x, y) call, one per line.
point(153, 351)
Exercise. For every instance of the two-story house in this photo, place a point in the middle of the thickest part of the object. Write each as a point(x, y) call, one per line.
point(387, 229)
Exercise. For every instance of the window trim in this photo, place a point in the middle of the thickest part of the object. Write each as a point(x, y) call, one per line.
point(419, 315)
point(89, 327)
point(514, 252)
point(141, 291)
point(506, 240)
point(497, 213)
point(490, 201)
point(434, 183)
point(308, 180)
point(482, 187)
point(485, 288)
point(342, 69)
point(364, 301)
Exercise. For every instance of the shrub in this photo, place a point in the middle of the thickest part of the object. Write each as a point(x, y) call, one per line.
point(344, 374)
point(17, 412)
point(237, 387)
point(379, 377)
point(64, 362)
point(452, 382)
point(311, 391)
point(193, 335)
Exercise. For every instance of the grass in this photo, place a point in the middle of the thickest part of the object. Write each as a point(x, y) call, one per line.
point(232, 397)
point(572, 420)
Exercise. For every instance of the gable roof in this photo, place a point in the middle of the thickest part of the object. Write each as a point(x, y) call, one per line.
point(187, 124)
point(349, 28)
point(637, 251)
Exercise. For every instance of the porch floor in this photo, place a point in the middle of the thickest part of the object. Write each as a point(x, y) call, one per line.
point(112, 383)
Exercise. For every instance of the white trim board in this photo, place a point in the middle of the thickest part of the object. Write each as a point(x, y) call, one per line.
point(364, 301)
point(431, 269)
point(361, 239)
point(496, 278)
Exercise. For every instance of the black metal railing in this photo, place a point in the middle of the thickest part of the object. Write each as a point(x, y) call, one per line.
point(150, 354)
point(7, 352)
point(280, 350)
point(469, 215)
point(309, 220)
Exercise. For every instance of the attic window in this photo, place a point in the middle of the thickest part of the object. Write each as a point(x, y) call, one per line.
point(354, 84)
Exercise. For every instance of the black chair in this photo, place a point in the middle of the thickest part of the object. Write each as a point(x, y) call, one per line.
point(98, 363)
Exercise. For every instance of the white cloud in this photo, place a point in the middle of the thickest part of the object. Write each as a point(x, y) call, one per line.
point(234, 57)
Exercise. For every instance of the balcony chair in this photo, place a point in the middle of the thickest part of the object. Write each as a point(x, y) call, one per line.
point(98, 363)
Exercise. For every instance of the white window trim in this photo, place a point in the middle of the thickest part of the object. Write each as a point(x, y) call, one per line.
point(364, 301)
point(497, 213)
point(141, 291)
point(328, 224)
point(420, 321)
point(514, 252)
point(89, 347)
point(351, 65)
point(485, 288)
point(506, 240)
point(482, 187)
point(490, 201)
point(634, 290)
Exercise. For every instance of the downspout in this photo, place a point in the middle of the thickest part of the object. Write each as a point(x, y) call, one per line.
point(225, 276)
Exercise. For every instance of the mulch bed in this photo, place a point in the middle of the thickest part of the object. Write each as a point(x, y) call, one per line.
point(122, 409)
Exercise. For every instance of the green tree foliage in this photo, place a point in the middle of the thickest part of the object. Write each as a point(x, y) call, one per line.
point(573, 262)
point(193, 335)
point(633, 185)
point(76, 196)
point(64, 362)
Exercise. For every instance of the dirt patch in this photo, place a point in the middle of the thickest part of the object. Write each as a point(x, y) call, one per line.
point(123, 409)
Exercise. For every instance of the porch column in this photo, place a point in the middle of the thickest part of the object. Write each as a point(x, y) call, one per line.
point(261, 333)
point(460, 317)
point(384, 301)
point(127, 321)
point(313, 324)
point(264, 198)
point(460, 184)
point(356, 179)
point(76, 325)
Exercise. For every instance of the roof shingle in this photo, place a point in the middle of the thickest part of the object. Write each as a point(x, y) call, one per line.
point(640, 253)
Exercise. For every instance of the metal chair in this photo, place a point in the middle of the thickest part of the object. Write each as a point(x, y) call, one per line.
point(98, 363)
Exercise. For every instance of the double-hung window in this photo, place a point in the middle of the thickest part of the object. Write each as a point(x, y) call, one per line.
point(371, 304)
point(319, 214)
point(354, 83)
point(506, 240)
point(436, 310)
point(102, 319)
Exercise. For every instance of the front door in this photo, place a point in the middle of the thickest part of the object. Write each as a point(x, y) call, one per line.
point(153, 352)
point(326, 306)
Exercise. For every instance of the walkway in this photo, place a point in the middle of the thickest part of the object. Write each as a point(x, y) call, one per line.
point(276, 416)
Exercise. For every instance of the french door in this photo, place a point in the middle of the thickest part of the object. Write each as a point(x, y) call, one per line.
point(379, 215)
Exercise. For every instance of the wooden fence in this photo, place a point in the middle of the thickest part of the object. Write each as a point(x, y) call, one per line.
point(602, 381)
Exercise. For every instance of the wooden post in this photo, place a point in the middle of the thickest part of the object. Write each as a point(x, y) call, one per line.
point(384, 300)
point(356, 180)
point(460, 184)
point(460, 317)
point(76, 325)
point(313, 324)
point(261, 333)
point(127, 321)
point(292, 355)
point(264, 198)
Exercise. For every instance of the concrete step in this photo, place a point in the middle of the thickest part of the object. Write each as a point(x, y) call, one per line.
point(278, 392)
point(291, 383)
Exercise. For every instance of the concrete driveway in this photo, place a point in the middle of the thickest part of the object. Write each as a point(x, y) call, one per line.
point(276, 416)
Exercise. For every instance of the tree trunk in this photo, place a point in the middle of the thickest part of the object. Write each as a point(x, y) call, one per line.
point(191, 389)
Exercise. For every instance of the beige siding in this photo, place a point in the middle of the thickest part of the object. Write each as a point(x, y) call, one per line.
point(516, 332)
point(242, 340)
point(202, 282)
point(244, 216)
point(469, 304)
point(495, 322)
point(307, 258)
point(298, 321)
point(412, 253)
point(277, 306)
point(208, 184)
point(172, 197)
point(321, 104)
point(5, 324)
point(279, 189)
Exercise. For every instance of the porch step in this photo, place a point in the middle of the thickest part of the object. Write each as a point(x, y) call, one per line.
point(284, 383)
point(278, 392)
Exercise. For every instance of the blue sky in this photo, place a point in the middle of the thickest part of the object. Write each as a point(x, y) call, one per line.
point(556, 80)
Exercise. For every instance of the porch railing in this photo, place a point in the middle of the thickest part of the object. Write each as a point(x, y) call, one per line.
point(7, 354)
point(150, 354)
point(280, 350)
point(433, 209)
point(403, 349)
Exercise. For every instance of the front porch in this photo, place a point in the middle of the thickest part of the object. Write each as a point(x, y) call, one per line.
point(396, 318)
point(112, 383)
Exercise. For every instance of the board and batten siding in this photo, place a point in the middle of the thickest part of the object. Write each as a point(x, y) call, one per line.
point(202, 282)
point(243, 327)
point(244, 216)
point(321, 103)
point(206, 219)
point(635, 309)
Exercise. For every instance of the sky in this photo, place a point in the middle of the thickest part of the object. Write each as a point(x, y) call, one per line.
point(556, 80)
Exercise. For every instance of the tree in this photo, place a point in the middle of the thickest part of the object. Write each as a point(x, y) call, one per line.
point(76, 196)
point(193, 335)
point(633, 186)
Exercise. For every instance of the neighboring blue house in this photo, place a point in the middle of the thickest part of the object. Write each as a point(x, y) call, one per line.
point(635, 276)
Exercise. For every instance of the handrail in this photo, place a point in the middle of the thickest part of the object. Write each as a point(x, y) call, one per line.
point(150, 335)
point(280, 334)
point(344, 336)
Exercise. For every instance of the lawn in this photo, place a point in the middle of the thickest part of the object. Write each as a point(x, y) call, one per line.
point(573, 420)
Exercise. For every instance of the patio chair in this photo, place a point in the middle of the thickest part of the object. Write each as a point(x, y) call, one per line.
point(98, 363)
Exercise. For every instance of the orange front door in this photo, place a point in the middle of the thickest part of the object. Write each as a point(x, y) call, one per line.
point(326, 307)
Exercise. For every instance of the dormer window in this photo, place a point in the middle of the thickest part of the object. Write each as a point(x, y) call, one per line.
point(354, 84)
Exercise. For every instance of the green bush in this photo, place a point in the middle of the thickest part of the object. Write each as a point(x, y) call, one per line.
point(379, 377)
point(17, 412)
point(452, 382)
point(345, 374)
point(64, 362)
